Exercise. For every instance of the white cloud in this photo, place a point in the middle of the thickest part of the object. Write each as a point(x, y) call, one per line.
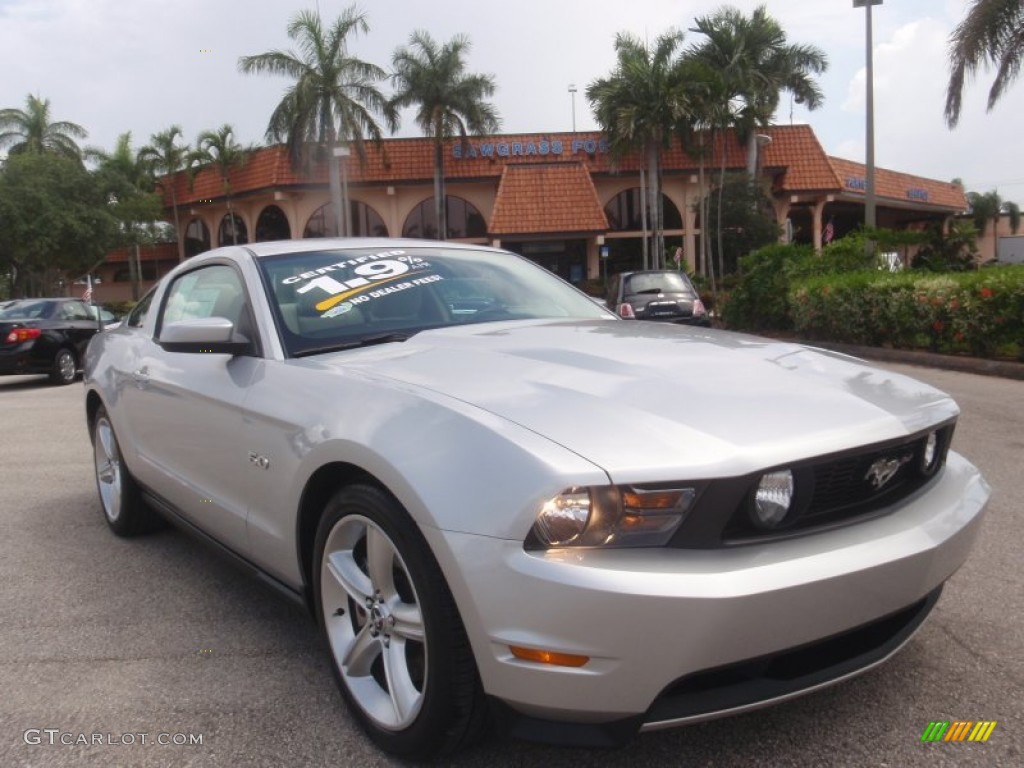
point(114, 66)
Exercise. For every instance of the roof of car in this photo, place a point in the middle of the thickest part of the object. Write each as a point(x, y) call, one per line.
point(278, 247)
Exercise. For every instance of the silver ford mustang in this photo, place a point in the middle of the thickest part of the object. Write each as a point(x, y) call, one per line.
point(506, 505)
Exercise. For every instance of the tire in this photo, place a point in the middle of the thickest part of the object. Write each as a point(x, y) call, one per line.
point(65, 367)
point(120, 498)
point(397, 645)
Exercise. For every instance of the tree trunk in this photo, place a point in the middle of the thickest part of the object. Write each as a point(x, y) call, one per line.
point(179, 234)
point(658, 254)
point(231, 218)
point(643, 213)
point(721, 192)
point(440, 209)
point(752, 154)
point(334, 176)
point(133, 272)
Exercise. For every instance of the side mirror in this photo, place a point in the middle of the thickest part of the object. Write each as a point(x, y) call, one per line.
point(212, 335)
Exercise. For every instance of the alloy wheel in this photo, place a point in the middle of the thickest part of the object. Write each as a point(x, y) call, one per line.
point(374, 622)
point(108, 469)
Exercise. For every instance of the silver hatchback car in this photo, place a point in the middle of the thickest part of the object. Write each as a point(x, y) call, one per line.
point(498, 498)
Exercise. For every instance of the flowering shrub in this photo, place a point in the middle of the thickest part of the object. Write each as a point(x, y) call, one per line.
point(978, 313)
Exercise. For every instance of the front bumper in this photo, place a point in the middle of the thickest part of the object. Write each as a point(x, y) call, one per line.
point(668, 631)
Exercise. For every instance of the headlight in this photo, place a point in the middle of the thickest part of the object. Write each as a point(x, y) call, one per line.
point(773, 499)
point(610, 516)
point(563, 519)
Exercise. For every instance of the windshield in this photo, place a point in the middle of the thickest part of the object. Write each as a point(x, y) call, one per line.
point(657, 282)
point(334, 299)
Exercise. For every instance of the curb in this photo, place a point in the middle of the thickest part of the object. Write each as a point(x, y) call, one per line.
point(981, 366)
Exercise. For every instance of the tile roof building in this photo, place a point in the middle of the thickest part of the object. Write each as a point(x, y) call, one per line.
point(558, 198)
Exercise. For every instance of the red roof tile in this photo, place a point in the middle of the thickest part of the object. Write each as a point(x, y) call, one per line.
point(157, 252)
point(893, 185)
point(794, 153)
point(549, 197)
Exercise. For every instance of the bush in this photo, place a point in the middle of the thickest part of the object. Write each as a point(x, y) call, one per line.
point(979, 313)
point(760, 298)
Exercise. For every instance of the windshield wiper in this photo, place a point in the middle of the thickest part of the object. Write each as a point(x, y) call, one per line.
point(366, 341)
point(650, 290)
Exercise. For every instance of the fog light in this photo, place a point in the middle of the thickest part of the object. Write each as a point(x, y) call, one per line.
point(773, 499)
point(931, 453)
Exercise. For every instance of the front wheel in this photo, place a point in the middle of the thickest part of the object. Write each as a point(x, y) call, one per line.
point(65, 367)
point(398, 647)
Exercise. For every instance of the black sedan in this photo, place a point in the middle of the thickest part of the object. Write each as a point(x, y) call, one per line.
point(45, 336)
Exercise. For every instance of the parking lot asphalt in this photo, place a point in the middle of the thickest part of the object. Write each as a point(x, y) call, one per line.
point(113, 639)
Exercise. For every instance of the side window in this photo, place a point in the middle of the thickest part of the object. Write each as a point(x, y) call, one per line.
point(74, 310)
point(138, 314)
point(214, 291)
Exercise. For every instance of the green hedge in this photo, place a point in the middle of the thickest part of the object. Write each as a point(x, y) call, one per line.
point(760, 299)
point(978, 313)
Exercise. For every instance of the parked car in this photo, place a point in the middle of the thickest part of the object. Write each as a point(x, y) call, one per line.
point(497, 496)
point(45, 336)
point(657, 294)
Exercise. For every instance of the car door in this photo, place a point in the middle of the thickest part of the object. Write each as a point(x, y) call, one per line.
point(77, 324)
point(186, 409)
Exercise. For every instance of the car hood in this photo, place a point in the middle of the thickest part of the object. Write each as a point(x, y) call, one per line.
point(643, 401)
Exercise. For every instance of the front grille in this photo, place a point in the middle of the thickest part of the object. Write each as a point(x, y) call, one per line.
point(843, 488)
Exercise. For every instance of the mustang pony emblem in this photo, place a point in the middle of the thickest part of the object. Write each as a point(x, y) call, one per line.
point(883, 470)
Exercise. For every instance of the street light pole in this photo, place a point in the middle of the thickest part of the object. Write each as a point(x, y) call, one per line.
point(870, 218)
point(572, 92)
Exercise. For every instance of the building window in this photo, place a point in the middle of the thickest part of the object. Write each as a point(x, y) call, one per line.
point(197, 238)
point(624, 213)
point(364, 222)
point(464, 220)
point(272, 224)
point(226, 237)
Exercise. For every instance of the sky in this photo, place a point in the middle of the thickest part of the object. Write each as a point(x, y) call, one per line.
point(114, 66)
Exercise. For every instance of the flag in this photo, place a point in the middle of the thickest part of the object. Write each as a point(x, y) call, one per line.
point(87, 294)
point(829, 232)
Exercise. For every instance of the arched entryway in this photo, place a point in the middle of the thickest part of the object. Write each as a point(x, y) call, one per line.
point(365, 222)
point(225, 236)
point(625, 215)
point(197, 238)
point(272, 224)
point(464, 220)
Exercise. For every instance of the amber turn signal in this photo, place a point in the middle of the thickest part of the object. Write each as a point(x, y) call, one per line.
point(548, 657)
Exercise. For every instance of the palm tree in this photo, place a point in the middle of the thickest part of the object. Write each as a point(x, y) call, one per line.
point(985, 208)
point(449, 101)
point(710, 112)
point(30, 130)
point(220, 148)
point(992, 33)
point(167, 158)
point(1012, 210)
point(638, 106)
point(334, 97)
point(758, 64)
point(127, 178)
